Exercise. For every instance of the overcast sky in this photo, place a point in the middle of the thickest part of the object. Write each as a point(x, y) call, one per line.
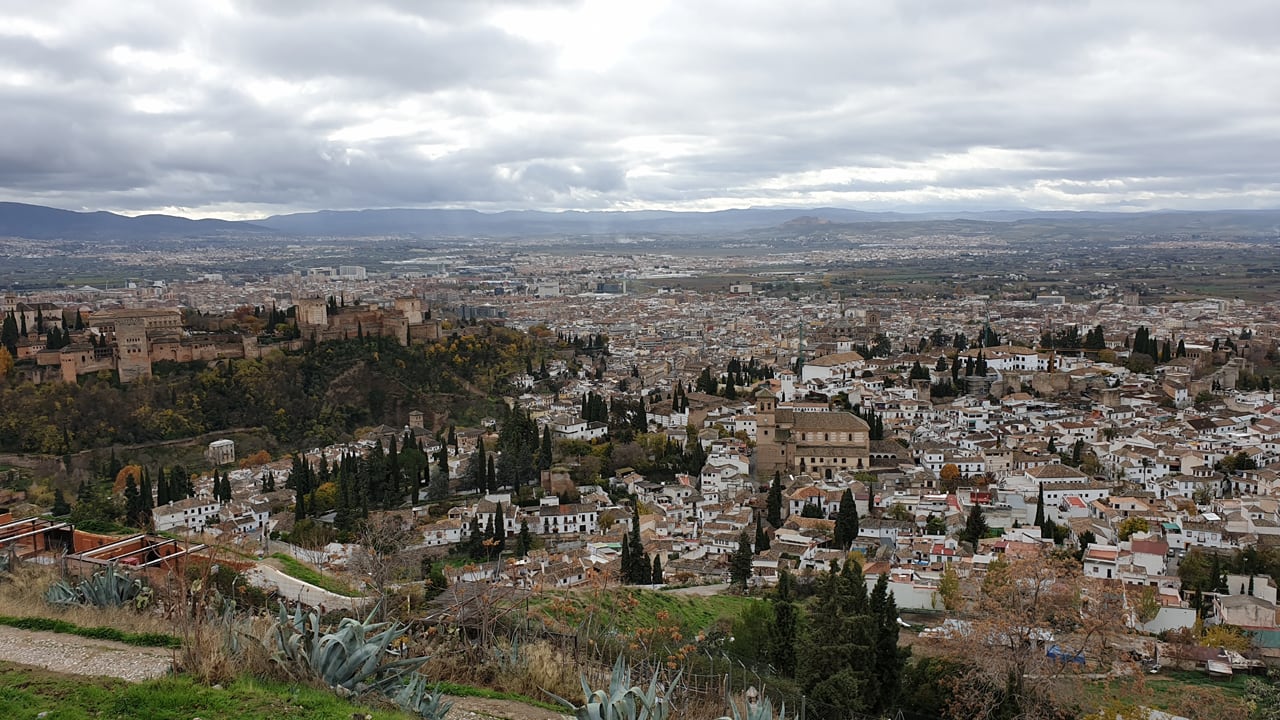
point(243, 108)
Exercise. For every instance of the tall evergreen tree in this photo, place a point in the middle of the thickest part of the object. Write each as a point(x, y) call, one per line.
point(635, 573)
point(762, 538)
point(846, 529)
point(477, 470)
point(162, 489)
point(546, 450)
point(60, 505)
point(655, 576)
point(499, 530)
point(834, 666)
point(438, 489)
point(148, 501)
point(1040, 512)
point(975, 526)
point(132, 502)
point(475, 541)
point(782, 629)
point(625, 561)
point(524, 541)
point(888, 660)
point(740, 562)
point(774, 511)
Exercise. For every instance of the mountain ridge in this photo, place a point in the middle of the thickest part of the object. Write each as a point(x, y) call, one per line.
point(45, 223)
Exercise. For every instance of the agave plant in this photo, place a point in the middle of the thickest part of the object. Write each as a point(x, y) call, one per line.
point(353, 657)
point(622, 700)
point(105, 588)
point(413, 697)
point(762, 710)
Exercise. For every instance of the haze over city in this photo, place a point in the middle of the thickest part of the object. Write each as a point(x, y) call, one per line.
point(246, 109)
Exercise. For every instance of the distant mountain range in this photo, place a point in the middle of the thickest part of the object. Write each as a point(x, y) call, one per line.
point(45, 223)
point(38, 222)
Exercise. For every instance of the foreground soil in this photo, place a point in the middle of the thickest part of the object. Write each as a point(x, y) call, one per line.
point(73, 655)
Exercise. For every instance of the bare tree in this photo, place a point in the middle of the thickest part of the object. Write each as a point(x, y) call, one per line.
point(381, 557)
point(1026, 606)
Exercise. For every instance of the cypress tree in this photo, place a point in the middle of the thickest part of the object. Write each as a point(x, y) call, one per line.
point(545, 452)
point(740, 562)
point(774, 511)
point(846, 530)
point(655, 577)
point(524, 541)
point(60, 506)
point(475, 543)
point(624, 569)
point(499, 530)
point(638, 556)
point(132, 501)
point(782, 630)
point(162, 489)
point(1040, 512)
point(762, 538)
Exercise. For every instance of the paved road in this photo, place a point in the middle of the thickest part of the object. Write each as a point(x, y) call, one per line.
point(267, 577)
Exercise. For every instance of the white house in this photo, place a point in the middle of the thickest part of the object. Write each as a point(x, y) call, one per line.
point(193, 514)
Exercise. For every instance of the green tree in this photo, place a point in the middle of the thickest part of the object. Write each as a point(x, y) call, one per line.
point(60, 506)
point(655, 577)
point(834, 662)
point(774, 504)
point(846, 529)
point(975, 526)
point(935, 525)
point(1131, 525)
point(811, 511)
point(740, 562)
point(782, 631)
point(438, 487)
point(524, 541)
point(762, 538)
point(9, 334)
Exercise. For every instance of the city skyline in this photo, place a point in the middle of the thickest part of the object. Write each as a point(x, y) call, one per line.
point(241, 110)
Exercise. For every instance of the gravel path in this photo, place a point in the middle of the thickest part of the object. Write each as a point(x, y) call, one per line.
point(471, 708)
point(76, 655)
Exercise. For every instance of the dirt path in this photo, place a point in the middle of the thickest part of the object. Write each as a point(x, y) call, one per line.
point(470, 708)
point(75, 655)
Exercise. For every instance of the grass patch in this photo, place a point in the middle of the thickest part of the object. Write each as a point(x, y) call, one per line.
point(98, 633)
point(307, 574)
point(26, 691)
point(457, 690)
point(1189, 693)
point(626, 609)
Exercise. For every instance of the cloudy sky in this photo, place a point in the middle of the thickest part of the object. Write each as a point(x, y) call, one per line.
point(242, 108)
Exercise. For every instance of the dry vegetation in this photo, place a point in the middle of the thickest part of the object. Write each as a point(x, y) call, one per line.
point(22, 595)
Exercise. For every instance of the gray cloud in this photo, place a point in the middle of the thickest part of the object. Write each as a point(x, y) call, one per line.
point(264, 106)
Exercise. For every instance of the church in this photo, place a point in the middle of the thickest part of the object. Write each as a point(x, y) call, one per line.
point(818, 443)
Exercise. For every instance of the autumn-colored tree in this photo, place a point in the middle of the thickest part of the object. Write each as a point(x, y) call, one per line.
point(6, 362)
point(262, 457)
point(1027, 604)
point(950, 476)
point(122, 477)
point(949, 589)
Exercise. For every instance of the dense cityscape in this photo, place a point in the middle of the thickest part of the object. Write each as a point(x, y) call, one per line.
point(586, 360)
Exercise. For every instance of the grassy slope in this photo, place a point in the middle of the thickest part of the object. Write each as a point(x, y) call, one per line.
point(630, 608)
point(26, 691)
